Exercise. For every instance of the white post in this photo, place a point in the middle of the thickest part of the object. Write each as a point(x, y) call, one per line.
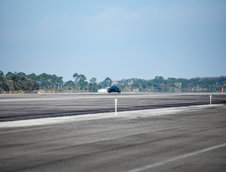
point(115, 106)
point(210, 100)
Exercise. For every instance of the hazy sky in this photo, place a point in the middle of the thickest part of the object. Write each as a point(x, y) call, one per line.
point(114, 38)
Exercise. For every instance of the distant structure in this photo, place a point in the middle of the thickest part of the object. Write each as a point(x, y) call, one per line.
point(103, 90)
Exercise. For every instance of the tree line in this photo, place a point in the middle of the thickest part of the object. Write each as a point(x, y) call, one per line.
point(159, 84)
point(17, 82)
point(33, 83)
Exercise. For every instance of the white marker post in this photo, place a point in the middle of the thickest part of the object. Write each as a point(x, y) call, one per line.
point(116, 106)
point(210, 100)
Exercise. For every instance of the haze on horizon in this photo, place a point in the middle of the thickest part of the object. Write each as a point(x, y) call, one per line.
point(133, 38)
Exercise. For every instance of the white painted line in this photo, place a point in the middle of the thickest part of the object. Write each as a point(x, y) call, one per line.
point(177, 158)
point(97, 116)
point(116, 100)
point(210, 100)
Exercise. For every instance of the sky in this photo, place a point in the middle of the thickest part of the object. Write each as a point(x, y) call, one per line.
point(116, 39)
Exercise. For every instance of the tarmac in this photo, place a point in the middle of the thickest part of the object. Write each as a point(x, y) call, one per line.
point(184, 138)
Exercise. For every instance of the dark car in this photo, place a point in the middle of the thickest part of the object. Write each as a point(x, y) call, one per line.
point(114, 89)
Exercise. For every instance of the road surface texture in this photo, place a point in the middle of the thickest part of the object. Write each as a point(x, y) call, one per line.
point(30, 106)
point(177, 139)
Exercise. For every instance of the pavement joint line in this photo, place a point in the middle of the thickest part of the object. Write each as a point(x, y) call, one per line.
point(25, 129)
point(157, 164)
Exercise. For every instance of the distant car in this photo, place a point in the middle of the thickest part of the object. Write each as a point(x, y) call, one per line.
point(114, 89)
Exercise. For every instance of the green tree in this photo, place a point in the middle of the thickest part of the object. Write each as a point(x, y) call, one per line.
point(76, 77)
point(21, 75)
point(1, 74)
point(105, 83)
point(159, 84)
point(3, 85)
point(80, 81)
point(10, 75)
point(70, 85)
point(45, 81)
point(108, 82)
point(93, 87)
point(83, 83)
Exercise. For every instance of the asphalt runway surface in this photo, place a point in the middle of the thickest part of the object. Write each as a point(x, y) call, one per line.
point(177, 139)
point(30, 106)
point(191, 139)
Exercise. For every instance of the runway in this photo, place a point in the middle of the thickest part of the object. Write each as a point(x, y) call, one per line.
point(30, 106)
point(191, 138)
